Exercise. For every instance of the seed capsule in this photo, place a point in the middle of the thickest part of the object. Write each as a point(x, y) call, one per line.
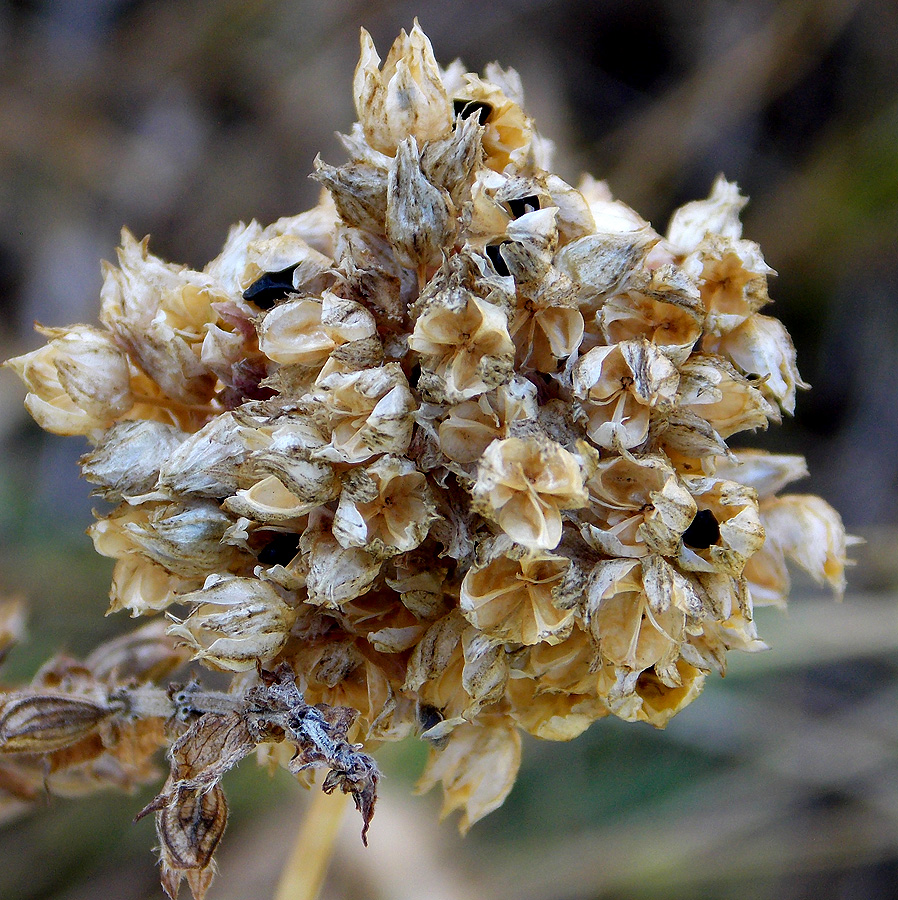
point(46, 722)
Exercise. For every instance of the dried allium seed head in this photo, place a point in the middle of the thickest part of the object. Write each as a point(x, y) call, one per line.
point(446, 454)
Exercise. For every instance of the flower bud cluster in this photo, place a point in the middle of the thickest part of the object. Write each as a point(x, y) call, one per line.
point(453, 444)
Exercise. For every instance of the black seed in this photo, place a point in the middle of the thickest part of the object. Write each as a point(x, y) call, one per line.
point(492, 252)
point(467, 108)
point(702, 531)
point(279, 550)
point(271, 287)
point(428, 716)
point(523, 205)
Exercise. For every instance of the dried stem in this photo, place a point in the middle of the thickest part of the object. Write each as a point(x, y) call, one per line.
point(304, 871)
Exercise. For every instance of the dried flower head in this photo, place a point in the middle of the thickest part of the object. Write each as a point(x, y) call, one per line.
point(446, 454)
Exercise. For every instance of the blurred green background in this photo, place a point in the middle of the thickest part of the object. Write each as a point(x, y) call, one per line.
point(179, 118)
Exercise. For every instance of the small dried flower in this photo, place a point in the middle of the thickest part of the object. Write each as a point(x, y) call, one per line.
point(524, 483)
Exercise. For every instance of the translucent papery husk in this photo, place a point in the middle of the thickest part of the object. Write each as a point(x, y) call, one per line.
point(435, 672)
point(207, 463)
point(524, 483)
point(335, 574)
point(508, 130)
point(366, 413)
point(464, 346)
point(306, 331)
point(767, 473)
point(157, 311)
point(761, 348)
point(552, 715)
point(644, 697)
point(808, 531)
point(385, 508)
point(663, 306)
point(183, 538)
point(734, 507)
point(513, 599)
point(142, 586)
point(639, 505)
point(712, 389)
point(128, 458)
point(477, 768)
point(471, 426)
point(406, 96)
point(618, 387)
point(733, 280)
point(235, 623)
point(566, 666)
point(718, 215)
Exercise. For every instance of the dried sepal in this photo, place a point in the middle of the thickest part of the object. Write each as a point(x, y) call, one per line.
point(810, 533)
point(761, 347)
point(471, 426)
point(365, 413)
point(599, 263)
point(235, 624)
point(306, 331)
point(359, 192)
point(142, 586)
point(663, 306)
point(647, 697)
point(728, 527)
point(718, 215)
point(552, 715)
point(207, 463)
point(183, 538)
point(420, 219)
point(189, 829)
point(335, 573)
point(143, 655)
point(158, 312)
point(497, 101)
point(385, 508)
point(461, 338)
point(638, 505)
point(712, 389)
point(127, 459)
point(78, 383)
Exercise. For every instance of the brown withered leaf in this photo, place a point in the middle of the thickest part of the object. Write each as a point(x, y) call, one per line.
point(211, 746)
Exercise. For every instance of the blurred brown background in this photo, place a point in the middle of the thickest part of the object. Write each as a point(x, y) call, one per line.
point(179, 118)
